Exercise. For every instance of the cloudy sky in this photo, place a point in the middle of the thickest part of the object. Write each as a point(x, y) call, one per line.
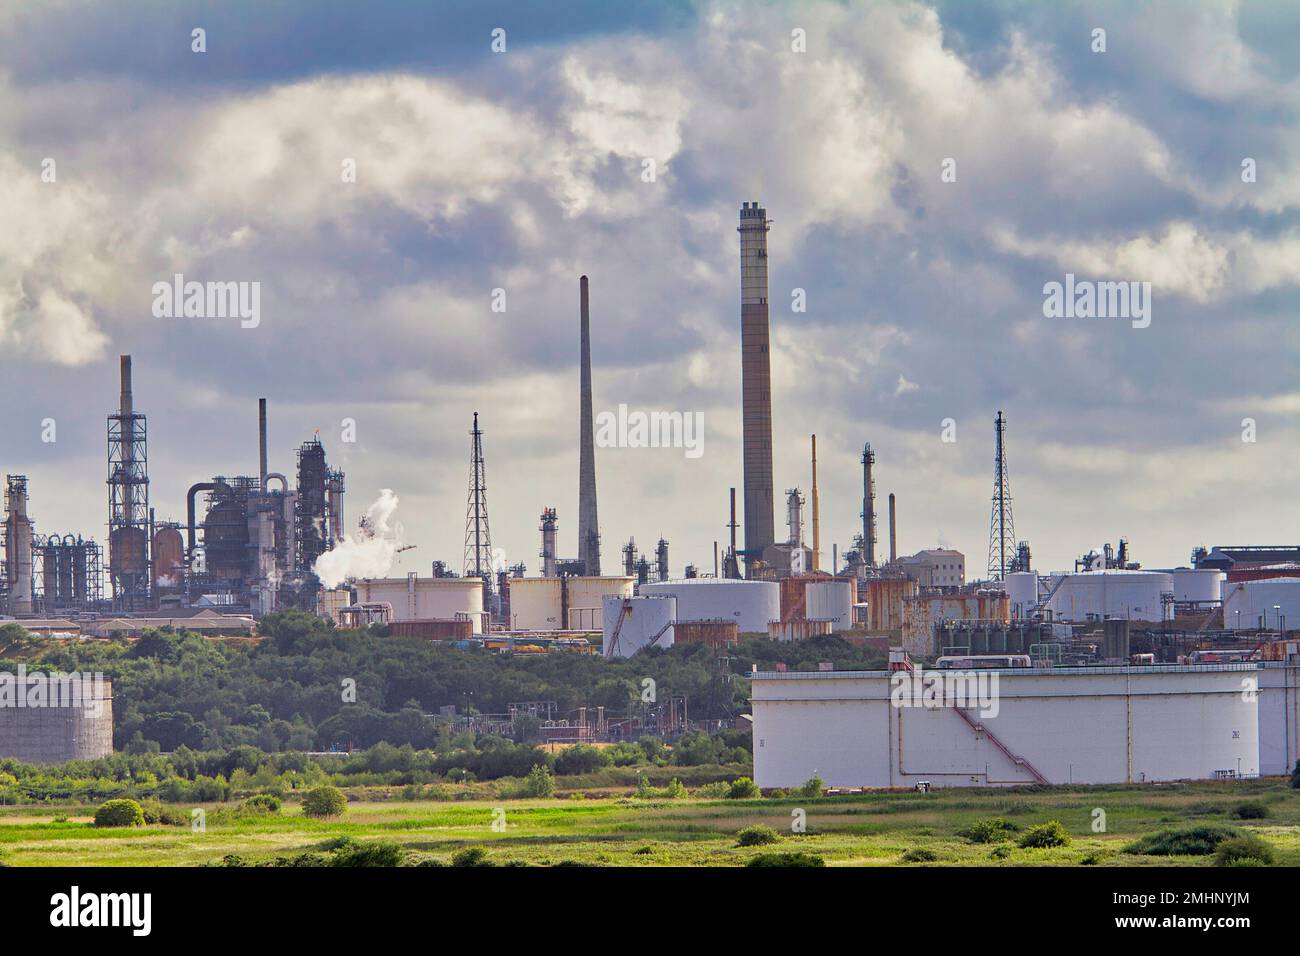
point(520, 170)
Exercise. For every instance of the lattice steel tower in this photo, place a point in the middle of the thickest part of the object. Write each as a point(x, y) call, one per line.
point(478, 539)
point(128, 500)
point(1002, 529)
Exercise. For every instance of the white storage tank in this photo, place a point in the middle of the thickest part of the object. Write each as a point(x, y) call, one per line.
point(1094, 595)
point(586, 596)
point(644, 619)
point(426, 599)
point(829, 601)
point(536, 604)
point(1249, 604)
point(751, 604)
point(1022, 591)
point(1198, 585)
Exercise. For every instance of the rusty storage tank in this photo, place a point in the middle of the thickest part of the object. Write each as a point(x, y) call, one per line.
point(168, 559)
point(225, 539)
point(716, 634)
point(885, 601)
point(128, 551)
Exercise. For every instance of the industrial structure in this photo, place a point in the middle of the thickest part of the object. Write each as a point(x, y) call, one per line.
point(75, 722)
point(128, 500)
point(478, 536)
point(588, 523)
point(1002, 529)
point(756, 386)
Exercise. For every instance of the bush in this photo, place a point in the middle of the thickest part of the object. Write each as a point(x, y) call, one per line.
point(471, 856)
point(540, 782)
point(580, 758)
point(742, 788)
point(786, 859)
point(382, 853)
point(919, 854)
point(1192, 841)
point(1295, 776)
point(758, 835)
point(812, 787)
point(324, 802)
point(991, 830)
point(155, 811)
point(1248, 850)
point(260, 803)
point(1045, 835)
point(1251, 810)
point(1001, 852)
point(713, 791)
point(119, 813)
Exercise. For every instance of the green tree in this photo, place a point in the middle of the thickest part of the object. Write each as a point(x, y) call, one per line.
point(119, 813)
point(324, 802)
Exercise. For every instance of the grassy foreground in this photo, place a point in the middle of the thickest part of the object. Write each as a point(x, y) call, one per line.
point(618, 830)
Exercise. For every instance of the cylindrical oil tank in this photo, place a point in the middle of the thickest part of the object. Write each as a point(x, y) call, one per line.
point(536, 604)
point(225, 539)
point(717, 634)
point(1095, 595)
point(1022, 591)
point(1250, 604)
point(585, 598)
point(752, 605)
point(1197, 585)
point(128, 551)
point(885, 601)
point(830, 600)
point(168, 559)
point(636, 621)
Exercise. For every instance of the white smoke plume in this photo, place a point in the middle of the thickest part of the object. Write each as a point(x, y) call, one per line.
point(368, 553)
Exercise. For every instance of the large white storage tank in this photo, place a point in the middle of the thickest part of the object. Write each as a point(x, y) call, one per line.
point(1250, 604)
point(586, 596)
point(751, 604)
point(1022, 591)
point(1093, 595)
point(536, 604)
point(426, 599)
point(644, 619)
point(829, 601)
point(1198, 585)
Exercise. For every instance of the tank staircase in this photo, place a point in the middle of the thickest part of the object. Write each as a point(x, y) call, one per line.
point(1016, 759)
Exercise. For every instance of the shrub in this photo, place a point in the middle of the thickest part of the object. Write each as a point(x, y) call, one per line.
point(119, 813)
point(1093, 858)
point(991, 830)
point(919, 854)
point(580, 758)
point(1199, 840)
point(786, 859)
point(758, 835)
point(324, 802)
point(471, 856)
point(1251, 810)
point(259, 804)
point(540, 782)
point(1001, 852)
point(742, 788)
point(713, 791)
point(155, 811)
point(382, 853)
point(1045, 835)
point(1248, 850)
point(812, 787)
point(1295, 776)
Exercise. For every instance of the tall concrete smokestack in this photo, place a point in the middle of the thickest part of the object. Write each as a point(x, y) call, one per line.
point(756, 382)
point(868, 507)
point(18, 546)
point(816, 513)
point(893, 541)
point(261, 441)
point(588, 525)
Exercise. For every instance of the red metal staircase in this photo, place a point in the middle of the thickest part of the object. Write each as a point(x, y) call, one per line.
point(1016, 759)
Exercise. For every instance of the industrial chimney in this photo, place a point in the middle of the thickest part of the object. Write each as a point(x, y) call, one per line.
point(548, 543)
point(588, 525)
point(18, 546)
point(816, 513)
point(261, 443)
point(893, 541)
point(756, 383)
point(868, 507)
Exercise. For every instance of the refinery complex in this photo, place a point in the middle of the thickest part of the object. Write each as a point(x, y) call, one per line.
point(1098, 665)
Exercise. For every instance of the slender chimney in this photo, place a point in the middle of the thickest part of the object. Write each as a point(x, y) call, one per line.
point(261, 442)
point(756, 383)
point(816, 513)
point(588, 524)
point(868, 555)
point(893, 541)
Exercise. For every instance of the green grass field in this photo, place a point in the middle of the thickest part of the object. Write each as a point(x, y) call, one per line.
point(618, 830)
